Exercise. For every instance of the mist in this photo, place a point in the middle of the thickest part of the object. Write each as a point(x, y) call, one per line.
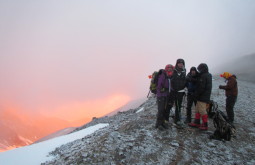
point(56, 56)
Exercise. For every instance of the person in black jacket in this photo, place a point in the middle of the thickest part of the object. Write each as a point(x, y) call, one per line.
point(178, 83)
point(191, 79)
point(202, 94)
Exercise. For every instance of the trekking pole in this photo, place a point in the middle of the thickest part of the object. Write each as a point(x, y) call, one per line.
point(149, 93)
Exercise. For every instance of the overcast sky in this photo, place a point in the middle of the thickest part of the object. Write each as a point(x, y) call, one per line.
point(62, 52)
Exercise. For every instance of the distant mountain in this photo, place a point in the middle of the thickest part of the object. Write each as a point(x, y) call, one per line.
point(242, 67)
point(130, 105)
point(22, 129)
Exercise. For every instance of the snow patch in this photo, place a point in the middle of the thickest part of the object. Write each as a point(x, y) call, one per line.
point(140, 110)
point(38, 153)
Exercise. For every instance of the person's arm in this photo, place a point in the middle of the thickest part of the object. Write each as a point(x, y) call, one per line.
point(160, 82)
point(230, 84)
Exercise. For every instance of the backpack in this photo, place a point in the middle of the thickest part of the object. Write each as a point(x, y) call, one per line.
point(224, 130)
point(154, 81)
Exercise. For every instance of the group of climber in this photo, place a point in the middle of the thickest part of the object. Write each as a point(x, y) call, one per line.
point(170, 91)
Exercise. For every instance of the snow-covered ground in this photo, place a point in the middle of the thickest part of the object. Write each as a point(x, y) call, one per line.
point(38, 153)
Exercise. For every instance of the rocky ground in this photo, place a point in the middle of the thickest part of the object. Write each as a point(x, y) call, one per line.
point(131, 138)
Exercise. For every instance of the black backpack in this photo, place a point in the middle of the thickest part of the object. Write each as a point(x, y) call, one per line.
point(224, 130)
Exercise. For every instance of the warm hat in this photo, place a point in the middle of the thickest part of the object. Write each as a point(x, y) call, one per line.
point(202, 68)
point(169, 69)
point(226, 75)
point(193, 68)
point(180, 61)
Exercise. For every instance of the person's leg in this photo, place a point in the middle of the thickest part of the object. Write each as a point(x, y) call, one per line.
point(230, 103)
point(188, 110)
point(161, 110)
point(178, 106)
point(203, 112)
point(169, 105)
point(196, 122)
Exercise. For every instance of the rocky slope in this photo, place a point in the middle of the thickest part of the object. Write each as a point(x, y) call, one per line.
point(131, 138)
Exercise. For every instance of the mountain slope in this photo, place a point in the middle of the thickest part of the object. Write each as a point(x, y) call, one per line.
point(132, 139)
point(242, 67)
point(20, 129)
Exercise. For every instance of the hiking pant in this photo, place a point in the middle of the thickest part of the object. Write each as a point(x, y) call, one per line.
point(190, 100)
point(201, 108)
point(230, 103)
point(169, 105)
point(161, 110)
point(178, 106)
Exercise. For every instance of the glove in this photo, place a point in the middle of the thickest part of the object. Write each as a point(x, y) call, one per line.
point(221, 87)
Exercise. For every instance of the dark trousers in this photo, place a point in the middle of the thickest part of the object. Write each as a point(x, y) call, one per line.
point(178, 106)
point(174, 98)
point(190, 100)
point(169, 105)
point(161, 110)
point(230, 103)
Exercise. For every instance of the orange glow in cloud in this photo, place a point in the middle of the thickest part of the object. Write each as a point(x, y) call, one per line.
point(88, 109)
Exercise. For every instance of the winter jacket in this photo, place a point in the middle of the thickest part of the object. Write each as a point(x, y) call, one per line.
point(163, 85)
point(231, 88)
point(204, 86)
point(191, 83)
point(178, 80)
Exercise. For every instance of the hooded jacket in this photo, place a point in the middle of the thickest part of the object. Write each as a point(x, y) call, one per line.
point(192, 81)
point(178, 80)
point(204, 84)
point(163, 84)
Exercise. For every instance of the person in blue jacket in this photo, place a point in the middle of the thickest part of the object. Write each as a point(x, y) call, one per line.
point(191, 78)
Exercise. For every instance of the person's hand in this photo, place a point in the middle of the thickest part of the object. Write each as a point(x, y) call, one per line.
point(221, 86)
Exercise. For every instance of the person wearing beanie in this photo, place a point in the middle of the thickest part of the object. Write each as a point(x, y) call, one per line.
point(202, 95)
point(169, 72)
point(163, 87)
point(231, 92)
point(191, 79)
point(178, 83)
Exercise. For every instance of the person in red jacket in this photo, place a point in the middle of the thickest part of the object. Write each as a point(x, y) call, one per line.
point(231, 92)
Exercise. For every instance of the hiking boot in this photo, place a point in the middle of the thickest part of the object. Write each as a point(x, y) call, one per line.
point(194, 125)
point(161, 128)
point(166, 122)
point(196, 122)
point(180, 124)
point(187, 121)
point(165, 126)
point(204, 126)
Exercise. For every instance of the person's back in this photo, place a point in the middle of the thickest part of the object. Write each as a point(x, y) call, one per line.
point(204, 85)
